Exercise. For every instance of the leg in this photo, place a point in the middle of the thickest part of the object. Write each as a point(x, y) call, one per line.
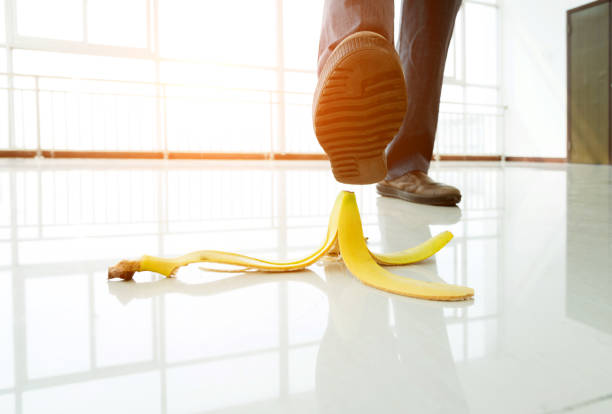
point(426, 30)
point(342, 18)
point(360, 99)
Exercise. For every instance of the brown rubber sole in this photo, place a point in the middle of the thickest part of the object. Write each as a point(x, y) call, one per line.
point(441, 200)
point(359, 106)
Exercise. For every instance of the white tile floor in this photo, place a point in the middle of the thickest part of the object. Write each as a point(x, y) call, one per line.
point(534, 241)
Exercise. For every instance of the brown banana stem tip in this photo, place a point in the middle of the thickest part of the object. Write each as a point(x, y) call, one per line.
point(125, 269)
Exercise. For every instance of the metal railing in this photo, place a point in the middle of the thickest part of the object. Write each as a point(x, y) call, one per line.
point(55, 113)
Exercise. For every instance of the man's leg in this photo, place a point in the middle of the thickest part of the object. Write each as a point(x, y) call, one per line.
point(425, 33)
point(360, 99)
point(342, 18)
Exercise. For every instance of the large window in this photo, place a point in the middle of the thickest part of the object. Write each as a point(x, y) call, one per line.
point(103, 22)
point(195, 76)
point(470, 112)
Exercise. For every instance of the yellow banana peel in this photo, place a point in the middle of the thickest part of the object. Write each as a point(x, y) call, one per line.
point(344, 232)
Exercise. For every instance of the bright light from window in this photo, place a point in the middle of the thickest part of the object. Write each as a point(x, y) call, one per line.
point(2, 27)
point(2, 65)
point(239, 32)
point(301, 29)
point(126, 19)
point(481, 40)
point(213, 85)
point(82, 66)
point(57, 19)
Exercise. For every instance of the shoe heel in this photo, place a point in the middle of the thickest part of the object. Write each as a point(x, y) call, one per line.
point(360, 170)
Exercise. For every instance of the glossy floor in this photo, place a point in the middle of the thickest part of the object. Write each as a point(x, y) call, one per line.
point(534, 241)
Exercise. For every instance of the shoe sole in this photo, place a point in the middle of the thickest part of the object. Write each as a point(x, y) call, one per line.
point(359, 105)
point(389, 191)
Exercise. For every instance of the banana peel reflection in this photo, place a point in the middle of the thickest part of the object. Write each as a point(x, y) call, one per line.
point(345, 234)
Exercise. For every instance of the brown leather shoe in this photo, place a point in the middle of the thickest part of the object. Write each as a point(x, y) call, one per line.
point(417, 187)
point(359, 106)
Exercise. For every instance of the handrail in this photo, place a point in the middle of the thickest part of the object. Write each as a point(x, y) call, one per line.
point(451, 113)
point(183, 85)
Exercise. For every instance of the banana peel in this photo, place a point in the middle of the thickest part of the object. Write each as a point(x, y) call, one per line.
point(344, 234)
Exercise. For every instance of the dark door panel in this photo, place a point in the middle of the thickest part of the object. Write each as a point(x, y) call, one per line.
point(589, 84)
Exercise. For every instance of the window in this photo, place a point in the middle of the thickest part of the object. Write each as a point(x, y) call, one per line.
point(2, 25)
point(238, 32)
point(301, 30)
point(481, 43)
point(470, 120)
point(118, 22)
point(57, 19)
point(205, 76)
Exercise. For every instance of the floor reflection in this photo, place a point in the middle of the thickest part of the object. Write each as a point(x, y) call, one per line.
point(589, 248)
point(311, 341)
point(369, 358)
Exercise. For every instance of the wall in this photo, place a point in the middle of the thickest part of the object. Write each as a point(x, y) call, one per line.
point(534, 76)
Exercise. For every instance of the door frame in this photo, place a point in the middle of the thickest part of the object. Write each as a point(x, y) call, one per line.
point(568, 56)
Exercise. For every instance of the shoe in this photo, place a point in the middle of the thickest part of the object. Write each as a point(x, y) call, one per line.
point(359, 106)
point(417, 187)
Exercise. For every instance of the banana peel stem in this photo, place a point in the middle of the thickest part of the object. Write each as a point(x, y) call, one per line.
point(345, 237)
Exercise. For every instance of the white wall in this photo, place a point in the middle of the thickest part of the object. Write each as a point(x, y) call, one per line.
point(534, 76)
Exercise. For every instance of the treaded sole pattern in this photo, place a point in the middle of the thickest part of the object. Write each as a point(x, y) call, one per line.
point(359, 106)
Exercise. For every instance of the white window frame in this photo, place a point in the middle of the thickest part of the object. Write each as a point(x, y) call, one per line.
point(15, 40)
